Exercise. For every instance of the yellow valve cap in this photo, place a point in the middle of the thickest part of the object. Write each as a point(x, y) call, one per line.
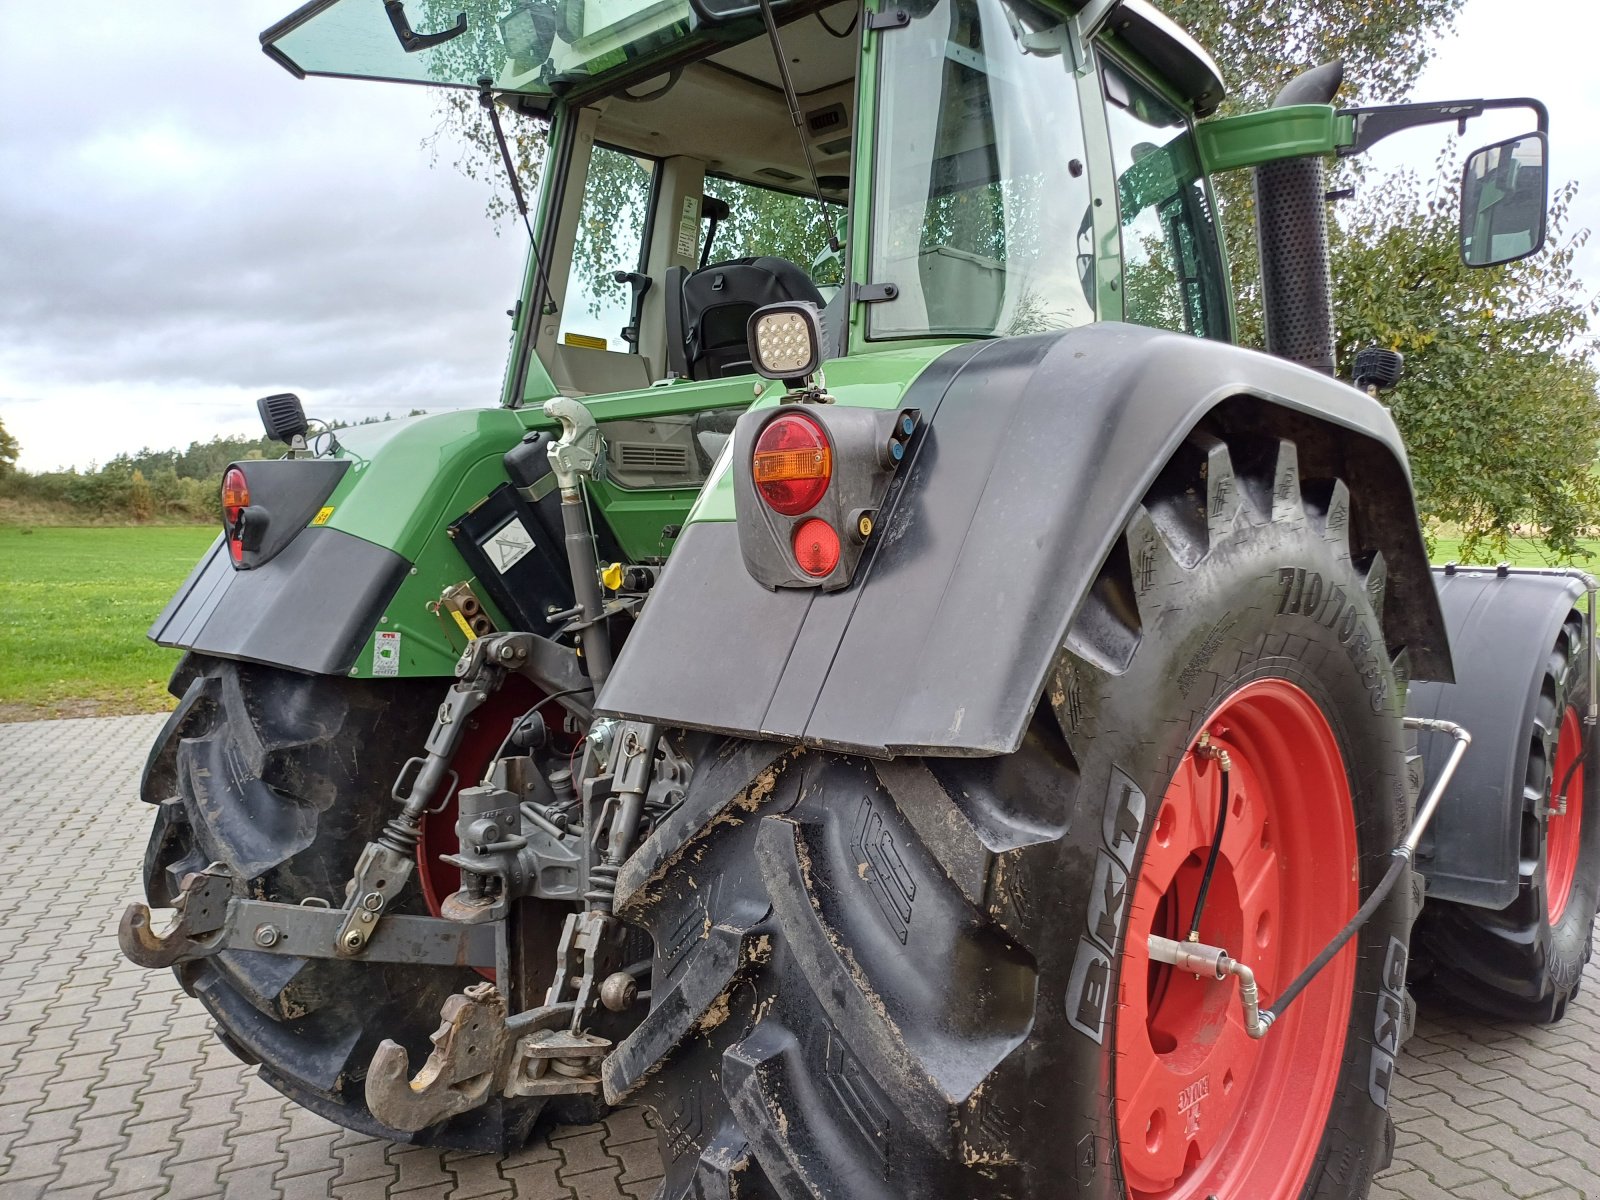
point(611, 576)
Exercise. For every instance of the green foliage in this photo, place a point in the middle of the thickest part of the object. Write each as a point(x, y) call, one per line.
point(1498, 405)
point(9, 451)
point(1261, 47)
point(159, 485)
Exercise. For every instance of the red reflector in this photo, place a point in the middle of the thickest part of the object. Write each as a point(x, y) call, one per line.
point(235, 495)
point(816, 547)
point(792, 465)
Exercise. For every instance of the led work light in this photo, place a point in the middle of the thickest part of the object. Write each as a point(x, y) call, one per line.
point(785, 340)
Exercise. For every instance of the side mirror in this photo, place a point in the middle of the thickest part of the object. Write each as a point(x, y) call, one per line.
point(1505, 196)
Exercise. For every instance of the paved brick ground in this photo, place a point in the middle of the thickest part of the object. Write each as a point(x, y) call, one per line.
point(111, 1085)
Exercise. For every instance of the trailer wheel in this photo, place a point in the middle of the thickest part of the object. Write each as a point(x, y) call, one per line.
point(1525, 961)
point(928, 977)
point(284, 777)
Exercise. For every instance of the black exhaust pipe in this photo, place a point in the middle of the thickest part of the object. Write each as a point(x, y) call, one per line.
point(1292, 231)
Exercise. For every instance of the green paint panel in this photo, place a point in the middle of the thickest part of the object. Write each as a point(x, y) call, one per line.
point(1272, 134)
point(409, 480)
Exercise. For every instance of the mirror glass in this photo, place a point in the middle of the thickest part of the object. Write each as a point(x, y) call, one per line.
point(1504, 199)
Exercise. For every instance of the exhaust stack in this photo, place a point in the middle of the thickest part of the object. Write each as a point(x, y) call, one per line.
point(1292, 231)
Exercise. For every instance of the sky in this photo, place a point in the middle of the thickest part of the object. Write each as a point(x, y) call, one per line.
point(185, 227)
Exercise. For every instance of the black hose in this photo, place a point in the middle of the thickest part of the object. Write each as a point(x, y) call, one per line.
point(1211, 860)
point(1363, 915)
point(517, 724)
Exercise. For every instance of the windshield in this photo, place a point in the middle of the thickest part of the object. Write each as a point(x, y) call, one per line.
point(980, 171)
point(521, 46)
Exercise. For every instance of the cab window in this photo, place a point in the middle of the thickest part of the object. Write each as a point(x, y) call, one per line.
point(610, 238)
point(1172, 275)
point(981, 175)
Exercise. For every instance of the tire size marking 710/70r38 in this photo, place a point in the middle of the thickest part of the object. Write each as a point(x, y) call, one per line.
point(1302, 593)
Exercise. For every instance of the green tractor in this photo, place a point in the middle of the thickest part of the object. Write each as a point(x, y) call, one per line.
point(921, 708)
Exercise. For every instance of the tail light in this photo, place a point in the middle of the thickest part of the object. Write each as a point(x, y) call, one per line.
point(235, 499)
point(792, 464)
point(818, 473)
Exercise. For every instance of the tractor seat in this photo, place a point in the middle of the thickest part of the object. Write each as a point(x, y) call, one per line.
point(708, 310)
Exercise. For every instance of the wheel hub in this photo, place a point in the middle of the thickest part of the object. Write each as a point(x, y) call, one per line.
point(1202, 1109)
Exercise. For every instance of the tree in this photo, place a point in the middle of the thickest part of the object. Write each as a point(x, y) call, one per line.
point(1498, 404)
point(1262, 46)
point(141, 500)
point(10, 451)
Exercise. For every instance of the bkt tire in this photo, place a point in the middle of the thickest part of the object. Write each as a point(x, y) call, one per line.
point(1525, 961)
point(929, 978)
point(284, 778)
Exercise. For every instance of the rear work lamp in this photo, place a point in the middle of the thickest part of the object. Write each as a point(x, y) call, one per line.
point(785, 340)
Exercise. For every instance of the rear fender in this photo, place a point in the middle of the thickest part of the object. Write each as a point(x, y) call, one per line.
point(1034, 454)
point(1502, 628)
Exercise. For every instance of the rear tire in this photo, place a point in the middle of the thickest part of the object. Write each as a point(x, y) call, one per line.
point(1525, 961)
point(911, 978)
point(284, 778)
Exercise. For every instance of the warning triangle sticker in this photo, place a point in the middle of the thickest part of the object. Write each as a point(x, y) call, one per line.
point(508, 544)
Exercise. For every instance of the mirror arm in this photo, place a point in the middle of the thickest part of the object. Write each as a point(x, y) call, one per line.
point(1374, 124)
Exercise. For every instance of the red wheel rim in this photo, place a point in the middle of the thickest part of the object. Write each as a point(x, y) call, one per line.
point(1564, 831)
point(1201, 1109)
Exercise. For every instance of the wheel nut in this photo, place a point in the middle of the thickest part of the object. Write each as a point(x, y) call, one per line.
point(266, 935)
point(619, 991)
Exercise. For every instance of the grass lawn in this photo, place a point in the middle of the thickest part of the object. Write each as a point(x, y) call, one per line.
point(75, 602)
point(1523, 553)
point(74, 605)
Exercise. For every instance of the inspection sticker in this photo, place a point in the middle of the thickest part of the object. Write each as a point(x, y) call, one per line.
point(689, 227)
point(386, 652)
point(322, 515)
point(509, 544)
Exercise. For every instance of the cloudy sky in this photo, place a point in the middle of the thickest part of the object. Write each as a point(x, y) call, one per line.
point(185, 227)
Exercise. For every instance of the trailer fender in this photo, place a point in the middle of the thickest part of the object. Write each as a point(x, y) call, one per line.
point(1501, 626)
point(1034, 453)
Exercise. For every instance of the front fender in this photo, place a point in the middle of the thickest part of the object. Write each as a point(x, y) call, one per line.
point(1035, 453)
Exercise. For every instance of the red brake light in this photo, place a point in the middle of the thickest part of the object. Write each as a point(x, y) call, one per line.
point(816, 547)
point(235, 499)
point(792, 466)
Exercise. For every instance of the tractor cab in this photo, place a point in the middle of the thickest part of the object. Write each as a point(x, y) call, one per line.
point(941, 170)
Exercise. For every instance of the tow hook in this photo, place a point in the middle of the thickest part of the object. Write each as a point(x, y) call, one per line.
point(1215, 963)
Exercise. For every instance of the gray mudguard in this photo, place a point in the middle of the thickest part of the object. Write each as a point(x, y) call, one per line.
point(1503, 627)
point(1034, 454)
